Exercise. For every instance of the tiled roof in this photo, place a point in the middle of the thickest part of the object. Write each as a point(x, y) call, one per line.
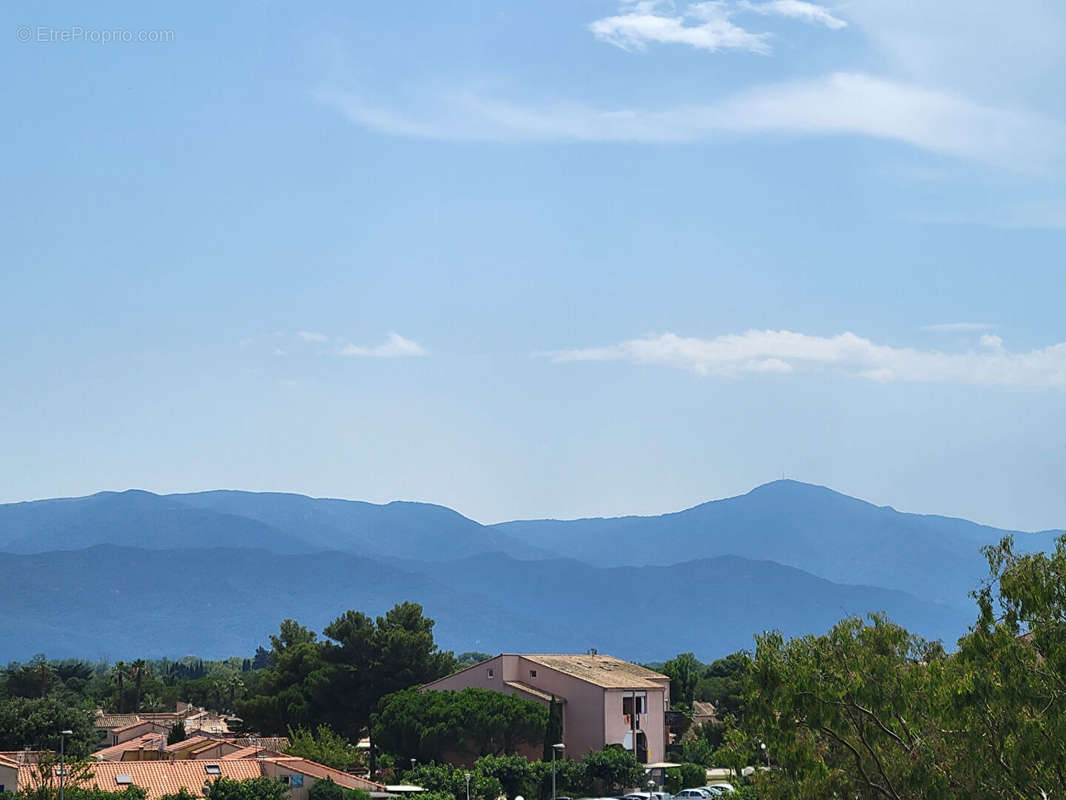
point(253, 752)
point(150, 741)
point(158, 778)
point(112, 721)
point(605, 671)
point(316, 770)
point(279, 743)
point(154, 723)
point(540, 694)
point(9, 763)
point(191, 743)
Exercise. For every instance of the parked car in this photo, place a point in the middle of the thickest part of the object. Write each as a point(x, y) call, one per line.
point(720, 789)
point(694, 794)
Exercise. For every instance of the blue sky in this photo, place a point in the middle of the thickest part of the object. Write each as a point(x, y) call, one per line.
point(544, 259)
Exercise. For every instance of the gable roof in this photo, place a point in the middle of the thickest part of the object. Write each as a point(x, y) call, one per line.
point(158, 778)
point(7, 762)
point(150, 741)
point(318, 771)
point(533, 691)
point(601, 670)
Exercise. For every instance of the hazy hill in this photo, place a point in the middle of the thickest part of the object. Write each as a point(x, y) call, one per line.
point(810, 527)
point(284, 523)
point(122, 602)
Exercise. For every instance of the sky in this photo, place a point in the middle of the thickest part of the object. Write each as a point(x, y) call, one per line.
point(552, 259)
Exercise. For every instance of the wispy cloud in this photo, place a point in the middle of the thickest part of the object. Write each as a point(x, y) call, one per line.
point(704, 26)
point(957, 327)
point(796, 9)
point(838, 104)
point(395, 346)
point(768, 351)
point(312, 336)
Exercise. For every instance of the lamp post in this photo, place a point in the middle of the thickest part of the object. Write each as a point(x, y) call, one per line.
point(62, 760)
point(555, 748)
point(765, 752)
point(467, 775)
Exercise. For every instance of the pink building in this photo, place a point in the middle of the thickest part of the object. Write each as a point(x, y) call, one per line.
point(605, 700)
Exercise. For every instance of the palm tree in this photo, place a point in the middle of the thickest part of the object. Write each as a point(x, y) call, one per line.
point(120, 676)
point(139, 669)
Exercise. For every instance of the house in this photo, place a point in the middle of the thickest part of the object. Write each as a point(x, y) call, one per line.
point(149, 747)
point(159, 778)
point(605, 700)
point(9, 774)
point(300, 775)
point(117, 728)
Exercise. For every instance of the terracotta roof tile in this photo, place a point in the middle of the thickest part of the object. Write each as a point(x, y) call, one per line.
point(158, 778)
point(316, 770)
point(150, 741)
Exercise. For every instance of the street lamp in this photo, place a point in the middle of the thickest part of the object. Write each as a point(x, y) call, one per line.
point(468, 776)
point(555, 748)
point(413, 762)
point(62, 760)
point(765, 752)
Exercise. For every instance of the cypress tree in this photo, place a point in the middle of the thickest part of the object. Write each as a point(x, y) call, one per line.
point(553, 731)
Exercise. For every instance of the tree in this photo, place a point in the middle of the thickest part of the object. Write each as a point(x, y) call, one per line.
point(326, 789)
point(177, 732)
point(514, 773)
point(553, 730)
point(723, 683)
point(613, 768)
point(323, 746)
point(138, 671)
point(684, 673)
point(38, 721)
point(120, 677)
point(252, 789)
point(433, 726)
point(450, 780)
point(850, 713)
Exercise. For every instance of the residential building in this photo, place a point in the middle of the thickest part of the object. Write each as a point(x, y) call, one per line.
point(9, 774)
point(605, 700)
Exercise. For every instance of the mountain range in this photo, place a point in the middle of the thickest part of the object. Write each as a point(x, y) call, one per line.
point(121, 574)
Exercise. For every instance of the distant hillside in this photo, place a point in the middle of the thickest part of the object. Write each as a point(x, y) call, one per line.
point(118, 602)
point(810, 527)
point(284, 523)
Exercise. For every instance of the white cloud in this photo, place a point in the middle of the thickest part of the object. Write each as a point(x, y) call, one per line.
point(705, 26)
point(796, 9)
point(312, 336)
point(957, 327)
point(395, 346)
point(788, 352)
point(991, 341)
point(838, 104)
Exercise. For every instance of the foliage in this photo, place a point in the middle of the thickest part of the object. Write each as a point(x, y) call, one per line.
point(684, 673)
point(181, 794)
point(326, 789)
point(339, 680)
point(323, 746)
point(723, 683)
point(37, 722)
point(515, 773)
point(428, 726)
point(612, 768)
point(253, 789)
point(685, 776)
point(450, 780)
point(177, 732)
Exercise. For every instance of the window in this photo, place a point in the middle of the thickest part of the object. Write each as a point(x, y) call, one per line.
point(533, 673)
point(296, 780)
point(642, 702)
point(212, 769)
point(489, 670)
point(123, 780)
